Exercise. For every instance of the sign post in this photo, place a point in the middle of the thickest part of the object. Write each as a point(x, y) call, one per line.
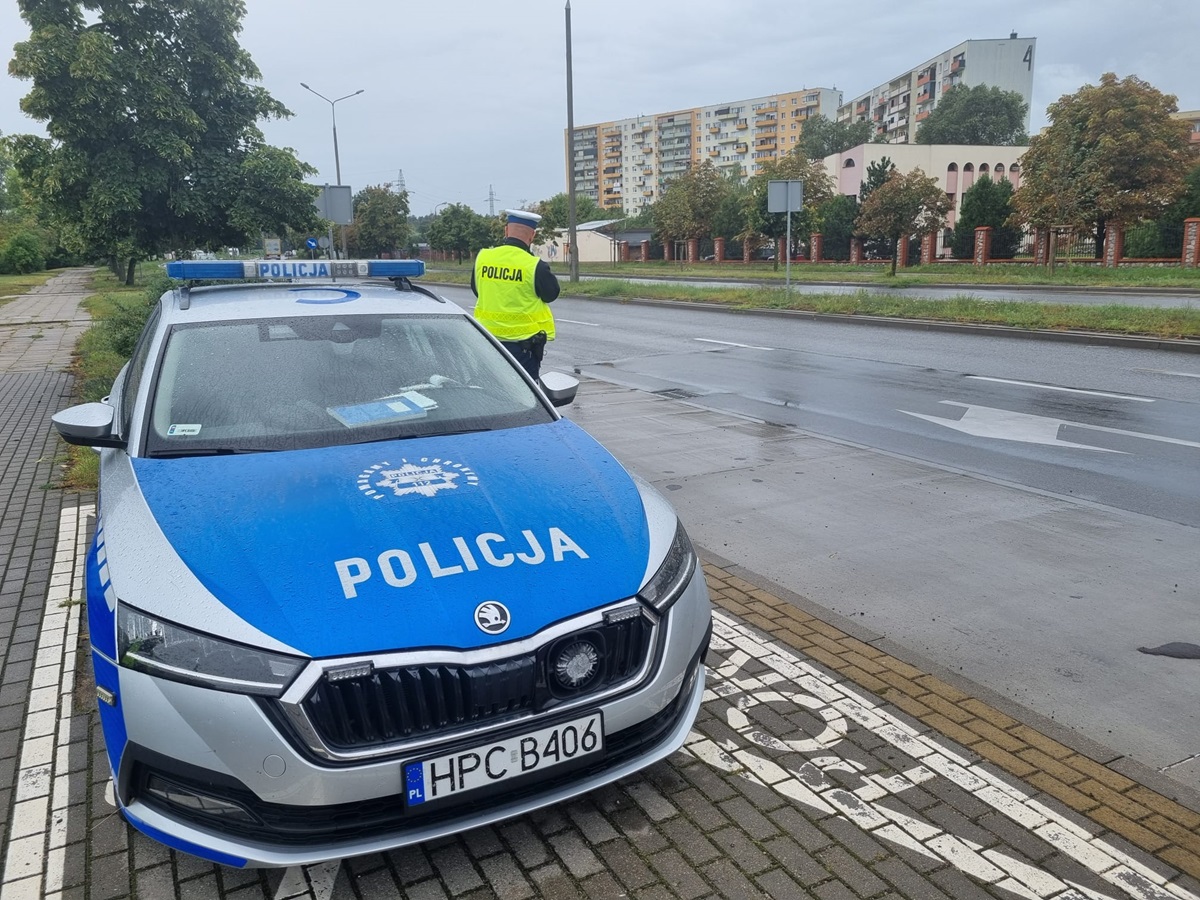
point(785, 197)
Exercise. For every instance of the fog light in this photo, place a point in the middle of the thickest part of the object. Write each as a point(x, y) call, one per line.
point(189, 799)
point(577, 664)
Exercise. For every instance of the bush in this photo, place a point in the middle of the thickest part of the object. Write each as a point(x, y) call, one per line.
point(22, 254)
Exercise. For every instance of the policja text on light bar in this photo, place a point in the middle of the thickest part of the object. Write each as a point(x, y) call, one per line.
point(227, 270)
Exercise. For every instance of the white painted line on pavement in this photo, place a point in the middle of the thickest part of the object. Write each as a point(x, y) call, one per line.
point(36, 860)
point(790, 679)
point(732, 344)
point(1067, 390)
point(574, 322)
point(1168, 372)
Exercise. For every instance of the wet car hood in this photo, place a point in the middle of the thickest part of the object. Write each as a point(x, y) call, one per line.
point(386, 546)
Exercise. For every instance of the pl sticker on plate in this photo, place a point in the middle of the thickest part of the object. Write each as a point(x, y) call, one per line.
point(183, 430)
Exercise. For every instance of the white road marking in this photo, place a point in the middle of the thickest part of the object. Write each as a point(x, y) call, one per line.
point(1054, 387)
point(1007, 425)
point(573, 322)
point(36, 862)
point(732, 344)
point(315, 881)
point(1168, 372)
point(810, 786)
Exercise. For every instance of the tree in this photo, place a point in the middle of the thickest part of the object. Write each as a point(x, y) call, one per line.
point(460, 230)
point(822, 137)
point(380, 222)
point(878, 173)
point(981, 115)
point(837, 216)
point(152, 121)
point(904, 204)
point(986, 202)
point(690, 203)
point(818, 188)
point(1112, 152)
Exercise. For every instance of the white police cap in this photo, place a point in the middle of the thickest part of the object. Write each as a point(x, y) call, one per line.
point(522, 217)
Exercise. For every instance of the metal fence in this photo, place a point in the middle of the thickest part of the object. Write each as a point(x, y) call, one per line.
point(1153, 240)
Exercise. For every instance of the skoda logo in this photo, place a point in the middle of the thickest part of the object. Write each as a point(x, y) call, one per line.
point(492, 617)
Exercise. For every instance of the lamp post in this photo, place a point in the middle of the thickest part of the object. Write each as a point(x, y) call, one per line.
point(337, 162)
point(573, 249)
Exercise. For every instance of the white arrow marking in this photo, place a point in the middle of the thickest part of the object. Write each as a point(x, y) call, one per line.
point(1006, 425)
point(1054, 387)
point(732, 344)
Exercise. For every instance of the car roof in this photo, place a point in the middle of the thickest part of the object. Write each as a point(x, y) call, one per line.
point(264, 300)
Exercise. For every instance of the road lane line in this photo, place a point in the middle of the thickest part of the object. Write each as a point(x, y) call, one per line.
point(574, 322)
point(732, 344)
point(1053, 387)
point(36, 860)
point(1169, 372)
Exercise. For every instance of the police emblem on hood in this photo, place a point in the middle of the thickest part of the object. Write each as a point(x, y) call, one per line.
point(424, 477)
point(492, 617)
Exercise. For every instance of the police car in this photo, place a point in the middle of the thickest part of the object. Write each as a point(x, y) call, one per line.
point(356, 584)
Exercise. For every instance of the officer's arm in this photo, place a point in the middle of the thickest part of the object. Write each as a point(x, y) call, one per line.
point(473, 291)
point(545, 282)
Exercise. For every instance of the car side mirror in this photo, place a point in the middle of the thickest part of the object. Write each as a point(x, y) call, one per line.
point(559, 388)
point(88, 425)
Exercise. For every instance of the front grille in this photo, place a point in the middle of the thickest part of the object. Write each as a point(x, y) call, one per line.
point(401, 704)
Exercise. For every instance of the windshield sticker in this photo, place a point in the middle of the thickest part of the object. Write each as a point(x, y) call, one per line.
point(183, 430)
point(425, 478)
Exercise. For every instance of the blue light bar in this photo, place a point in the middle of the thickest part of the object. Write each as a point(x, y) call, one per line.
point(227, 270)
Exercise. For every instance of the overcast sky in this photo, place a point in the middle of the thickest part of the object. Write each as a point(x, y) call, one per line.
point(468, 97)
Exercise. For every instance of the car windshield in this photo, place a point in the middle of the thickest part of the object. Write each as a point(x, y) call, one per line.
point(295, 383)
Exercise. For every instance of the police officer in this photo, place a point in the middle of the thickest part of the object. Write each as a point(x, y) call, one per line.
point(514, 288)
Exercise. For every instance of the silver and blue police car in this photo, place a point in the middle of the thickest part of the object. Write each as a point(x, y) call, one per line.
point(356, 584)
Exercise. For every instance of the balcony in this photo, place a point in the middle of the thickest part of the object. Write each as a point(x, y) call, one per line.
point(647, 193)
point(742, 125)
point(648, 171)
point(714, 129)
point(741, 147)
point(714, 152)
point(726, 113)
point(957, 66)
point(923, 115)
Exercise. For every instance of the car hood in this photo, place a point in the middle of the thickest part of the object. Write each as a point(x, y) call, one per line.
point(386, 546)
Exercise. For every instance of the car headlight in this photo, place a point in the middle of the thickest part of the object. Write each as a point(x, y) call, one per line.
point(171, 651)
point(673, 575)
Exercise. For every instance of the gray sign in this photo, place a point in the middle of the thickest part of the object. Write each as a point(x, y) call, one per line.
point(334, 203)
point(785, 196)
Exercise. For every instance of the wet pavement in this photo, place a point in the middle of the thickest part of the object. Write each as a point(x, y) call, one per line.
point(821, 765)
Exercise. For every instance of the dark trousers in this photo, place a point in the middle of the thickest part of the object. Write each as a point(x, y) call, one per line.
point(529, 353)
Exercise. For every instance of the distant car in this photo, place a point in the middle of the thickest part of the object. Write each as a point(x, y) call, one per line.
point(355, 582)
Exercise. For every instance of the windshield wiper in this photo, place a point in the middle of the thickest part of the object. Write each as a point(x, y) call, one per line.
point(421, 434)
point(206, 451)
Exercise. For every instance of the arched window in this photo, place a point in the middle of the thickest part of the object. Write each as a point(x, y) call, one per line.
point(983, 168)
point(998, 172)
point(952, 178)
point(968, 175)
point(848, 164)
point(1014, 175)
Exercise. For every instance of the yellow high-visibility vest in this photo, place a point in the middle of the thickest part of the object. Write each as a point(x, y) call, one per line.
point(508, 304)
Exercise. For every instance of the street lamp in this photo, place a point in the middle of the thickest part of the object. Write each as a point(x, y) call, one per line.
point(337, 162)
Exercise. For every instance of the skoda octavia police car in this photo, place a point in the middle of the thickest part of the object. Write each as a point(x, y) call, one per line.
point(356, 584)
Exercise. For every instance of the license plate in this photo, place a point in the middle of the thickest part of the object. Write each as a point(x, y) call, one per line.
point(458, 773)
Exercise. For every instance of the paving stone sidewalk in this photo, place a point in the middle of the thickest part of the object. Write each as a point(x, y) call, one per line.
point(820, 766)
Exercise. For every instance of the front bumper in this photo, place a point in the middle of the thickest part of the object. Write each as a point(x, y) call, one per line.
point(310, 811)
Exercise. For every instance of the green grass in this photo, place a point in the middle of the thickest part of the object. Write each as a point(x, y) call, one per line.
point(1115, 318)
point(13, 286)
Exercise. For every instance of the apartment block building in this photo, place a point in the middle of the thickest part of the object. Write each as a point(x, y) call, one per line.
point(897, 107)
point(625, 164)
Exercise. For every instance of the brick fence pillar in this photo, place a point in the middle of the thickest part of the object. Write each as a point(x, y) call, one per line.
point(1114, 244)
point(1041, 247)
point(1191, 244)
point(624, 251)
point(817, 247)
point(856, 253)
point(668, 250)
point(719, 250)
point(902, 253)
point(645, 251)
point(928, 248)
point(983, 245)
point(693, 250)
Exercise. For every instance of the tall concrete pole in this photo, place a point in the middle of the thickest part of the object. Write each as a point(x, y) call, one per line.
point(573, 256)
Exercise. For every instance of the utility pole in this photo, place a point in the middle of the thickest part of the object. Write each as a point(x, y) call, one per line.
point(400, 188)
point(491, 201)
point(573, 254)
